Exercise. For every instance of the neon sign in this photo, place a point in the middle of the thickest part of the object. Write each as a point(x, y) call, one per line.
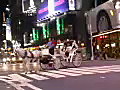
point(56, 6)
point(46, 8)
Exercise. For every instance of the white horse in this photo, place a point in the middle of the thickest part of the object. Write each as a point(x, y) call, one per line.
point(28, 58)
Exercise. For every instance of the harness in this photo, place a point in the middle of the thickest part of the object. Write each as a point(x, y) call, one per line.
point(32, 56)
point(25, 55)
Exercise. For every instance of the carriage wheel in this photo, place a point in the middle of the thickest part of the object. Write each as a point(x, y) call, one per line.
point(64, 62)
point(57, 63)
point(44, 66)
point(77, 60)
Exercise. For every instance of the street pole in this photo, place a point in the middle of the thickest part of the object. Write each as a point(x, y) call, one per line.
point(88, 22)
point(92, 52)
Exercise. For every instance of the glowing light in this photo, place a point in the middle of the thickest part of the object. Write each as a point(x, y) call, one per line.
point(43, 10)
point(111, 12)
point(71, 5)
point(51, 7)
point(98, 47)
point(4, 59)
point(44, 31)
point(58, 25)
point(62, 26)
point(20, 59)
point(35, 34)
point(113, 45)
point(107, 33)
point(59, 2)
point(107, 45)
point(13, 59)
point(46, 8)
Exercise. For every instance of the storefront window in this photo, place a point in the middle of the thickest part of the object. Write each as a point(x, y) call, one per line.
point(109, 43)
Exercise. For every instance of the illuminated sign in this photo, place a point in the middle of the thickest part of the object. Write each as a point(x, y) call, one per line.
point(71, 4)
point(51, 8)
point(29, 6)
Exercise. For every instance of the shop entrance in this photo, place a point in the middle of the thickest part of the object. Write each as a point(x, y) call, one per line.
point(108, 43)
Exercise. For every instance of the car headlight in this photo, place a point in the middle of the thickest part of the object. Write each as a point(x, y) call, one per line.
point(4, 59)
point(117, 5)
point(8, 59)
point(13, 59)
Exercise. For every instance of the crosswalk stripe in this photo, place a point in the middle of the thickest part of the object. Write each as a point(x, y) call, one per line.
point(64, 73)
point(30, 86)
point(4, 77)
point(84, 71)
point(13, 84)
point(93, 71)
point(19, 78)
point(37, 77)
point(52, 74)
point(115, 70)
point(77, 72)
point(24, 80)
point(88, 69)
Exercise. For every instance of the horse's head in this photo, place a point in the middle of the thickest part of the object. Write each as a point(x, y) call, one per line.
point(19, 52)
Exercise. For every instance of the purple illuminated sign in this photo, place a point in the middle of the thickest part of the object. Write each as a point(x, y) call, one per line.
point(59, 6)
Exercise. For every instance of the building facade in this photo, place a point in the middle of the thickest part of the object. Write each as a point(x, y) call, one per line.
point(64, 19)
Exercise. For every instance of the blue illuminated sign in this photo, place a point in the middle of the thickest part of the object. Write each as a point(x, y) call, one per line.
point(52, 7)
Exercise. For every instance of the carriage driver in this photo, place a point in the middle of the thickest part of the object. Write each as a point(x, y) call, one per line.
point(51, 44)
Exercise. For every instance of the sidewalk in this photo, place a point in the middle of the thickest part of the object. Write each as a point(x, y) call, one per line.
point(109, 62)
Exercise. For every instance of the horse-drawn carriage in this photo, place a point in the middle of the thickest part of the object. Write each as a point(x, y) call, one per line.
point(64, 54)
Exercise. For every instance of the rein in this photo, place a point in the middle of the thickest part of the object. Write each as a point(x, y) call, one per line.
point(32, 56)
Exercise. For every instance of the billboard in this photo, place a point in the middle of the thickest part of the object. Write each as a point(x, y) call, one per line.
point(50, 8)
point(26, 4)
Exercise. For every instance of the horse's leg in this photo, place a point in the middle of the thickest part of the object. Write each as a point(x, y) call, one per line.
point(31, 67)
point(25, 65)
point(39, 64)
point(28, 64)
point(34, 65)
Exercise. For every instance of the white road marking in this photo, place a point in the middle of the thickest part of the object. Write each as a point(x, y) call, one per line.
point(24, 81)
point(37, 77)
point(52, 74)
point(12, 84)
point(65, 73)
point(78, 72)
point(30, 86)
point(19, 78)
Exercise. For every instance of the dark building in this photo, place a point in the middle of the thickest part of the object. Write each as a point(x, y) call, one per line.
point(62, 24)
point(3, 16)
point(21, 22)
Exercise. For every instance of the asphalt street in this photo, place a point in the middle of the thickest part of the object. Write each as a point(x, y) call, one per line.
point(92, 75)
